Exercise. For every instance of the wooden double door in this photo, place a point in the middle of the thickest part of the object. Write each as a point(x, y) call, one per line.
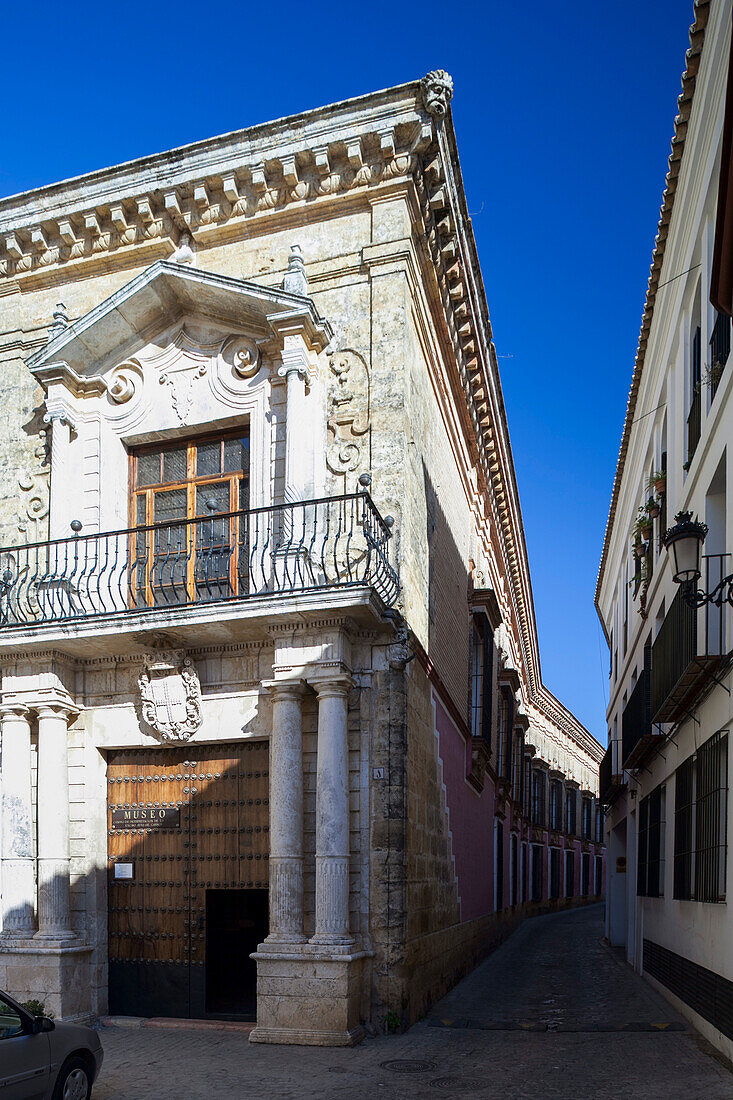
point(188, 847)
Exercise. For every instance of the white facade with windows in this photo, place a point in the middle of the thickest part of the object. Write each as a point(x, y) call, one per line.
point(666, 776)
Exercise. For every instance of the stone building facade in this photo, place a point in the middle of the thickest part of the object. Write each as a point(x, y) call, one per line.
point(274, 737)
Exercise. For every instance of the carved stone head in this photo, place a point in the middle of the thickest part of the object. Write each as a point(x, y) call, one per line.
point(437, 92)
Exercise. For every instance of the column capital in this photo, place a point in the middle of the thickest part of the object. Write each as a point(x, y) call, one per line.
point(18, 710)
point(282, 689)
point(339, 685)
point(67, 711)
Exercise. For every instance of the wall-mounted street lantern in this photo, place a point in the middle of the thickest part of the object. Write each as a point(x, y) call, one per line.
point(686, 539)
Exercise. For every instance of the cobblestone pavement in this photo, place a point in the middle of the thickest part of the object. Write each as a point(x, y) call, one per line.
point(552, 1013)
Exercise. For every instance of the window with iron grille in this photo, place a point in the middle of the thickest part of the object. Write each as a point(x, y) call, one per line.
point(506, 732)
point(555, 804)
point(701, 822)
point(694, 416)
point(586, 817)
point(684, 797)
point(599, 876)
point(569, 873)
point(482, 660)
point(711, 818)
point(571, 806)
point(499, 866)
point(527, 793)
point(524, 871)
point(536, 872)
point(584, 874)
point(513, 870)
point(650, 859)
point(599, 824)
point(719, 350)
point(555, 856)
point(538, 797)
point(518, 767)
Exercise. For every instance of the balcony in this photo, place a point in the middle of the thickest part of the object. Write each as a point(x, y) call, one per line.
point(637, 733)
point(685, 660)
point(319, 546)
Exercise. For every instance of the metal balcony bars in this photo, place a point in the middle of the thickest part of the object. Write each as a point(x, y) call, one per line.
point(281, 550)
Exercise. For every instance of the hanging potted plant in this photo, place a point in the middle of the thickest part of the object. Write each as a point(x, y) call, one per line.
point(658, 482)
point(644, 524)
point(652, 508)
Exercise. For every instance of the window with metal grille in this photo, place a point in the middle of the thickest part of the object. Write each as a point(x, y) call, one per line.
point(719, 350)
point(683, 824)
point(513, 870)
point(538, 797)
point(571, 806)
point(555, 804)
point(506, 732)
point(555, 857)
point(482, 661)
point(599, 824)
point(499, 866)
point(599, 876)
point(694, 416)
point(536, 872)
point(527, 793)
point(569, 873)
point(711, 818)
point(586, 817)
point(524, 871)
point(518, 767)
point(650, 858)
point(584, 874)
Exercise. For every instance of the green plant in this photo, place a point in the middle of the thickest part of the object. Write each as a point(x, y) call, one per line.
point(392, 1021)
point(686, 465)
point(37, 1008)
point(657, 480)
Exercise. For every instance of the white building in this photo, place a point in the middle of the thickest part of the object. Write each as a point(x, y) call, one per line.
point(666, 774)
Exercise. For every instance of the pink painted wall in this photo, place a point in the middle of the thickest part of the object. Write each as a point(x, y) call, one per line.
point(471, 821)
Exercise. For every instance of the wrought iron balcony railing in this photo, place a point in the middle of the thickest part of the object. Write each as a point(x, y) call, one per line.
point(283, 550)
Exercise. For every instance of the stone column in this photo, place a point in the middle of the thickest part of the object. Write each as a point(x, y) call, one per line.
point(286, 813)
point(332, 814)
point(54, 909)
point(17, 823)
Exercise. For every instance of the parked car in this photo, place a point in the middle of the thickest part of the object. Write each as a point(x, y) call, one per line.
point(43, 1060)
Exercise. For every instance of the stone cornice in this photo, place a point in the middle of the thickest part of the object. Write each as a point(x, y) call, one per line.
point(212, 187)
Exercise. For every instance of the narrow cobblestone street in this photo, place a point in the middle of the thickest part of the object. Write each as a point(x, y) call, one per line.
point(552, 1013)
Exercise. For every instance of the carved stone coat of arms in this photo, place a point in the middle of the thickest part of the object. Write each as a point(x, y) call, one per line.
point(170, 695)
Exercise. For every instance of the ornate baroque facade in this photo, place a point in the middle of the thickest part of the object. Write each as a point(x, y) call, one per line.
point(270, 674)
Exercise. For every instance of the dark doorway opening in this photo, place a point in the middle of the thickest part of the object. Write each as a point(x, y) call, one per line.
point(236, 922)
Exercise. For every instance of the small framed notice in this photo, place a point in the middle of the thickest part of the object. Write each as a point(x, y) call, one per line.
point(124, 870)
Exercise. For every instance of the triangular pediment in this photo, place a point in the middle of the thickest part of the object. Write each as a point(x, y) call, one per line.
point(160, 296)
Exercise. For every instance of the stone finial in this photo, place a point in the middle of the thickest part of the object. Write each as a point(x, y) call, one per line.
point(295, 279)
point(60, 321)
point(184, 253)
point(437, 92)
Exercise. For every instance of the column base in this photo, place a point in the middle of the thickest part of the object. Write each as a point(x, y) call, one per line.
point(54, 935)
point(59, 975)
point(309, 998)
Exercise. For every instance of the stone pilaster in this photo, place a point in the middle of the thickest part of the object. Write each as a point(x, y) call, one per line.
point(54, 910)
point(286, 813)
point(17, 845)
point(332, 814)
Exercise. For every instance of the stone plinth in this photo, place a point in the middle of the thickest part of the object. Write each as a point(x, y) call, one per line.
point(60, 976)
point(309, 998)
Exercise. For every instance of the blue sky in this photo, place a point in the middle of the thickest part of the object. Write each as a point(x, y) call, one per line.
point(564, 117)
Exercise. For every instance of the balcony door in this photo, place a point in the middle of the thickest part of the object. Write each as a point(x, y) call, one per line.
point(190, 542)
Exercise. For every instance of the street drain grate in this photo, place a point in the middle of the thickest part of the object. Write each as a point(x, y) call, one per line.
point(458, 1085)
point(408, 1065)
